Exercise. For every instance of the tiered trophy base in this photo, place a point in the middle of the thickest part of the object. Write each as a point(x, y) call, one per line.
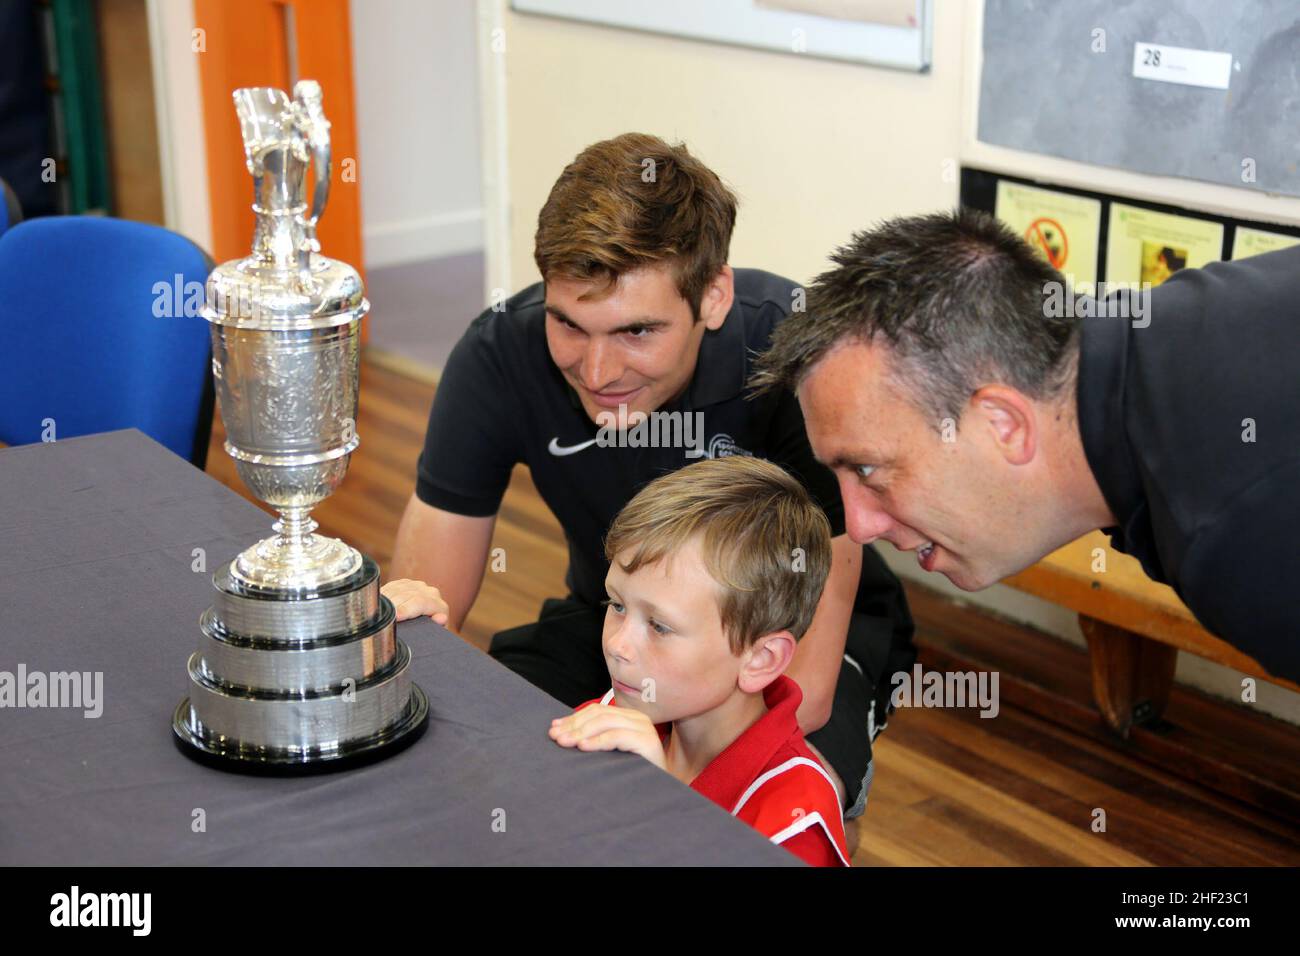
point(291, 682)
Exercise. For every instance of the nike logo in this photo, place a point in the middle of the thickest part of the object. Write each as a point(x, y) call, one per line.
point(555, 448)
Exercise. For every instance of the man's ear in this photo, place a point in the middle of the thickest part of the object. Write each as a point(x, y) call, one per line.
point(766, 660)
point(1011, 419)
point(717, 299)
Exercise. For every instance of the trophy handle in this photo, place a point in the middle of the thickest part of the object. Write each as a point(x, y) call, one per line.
point(313, 125)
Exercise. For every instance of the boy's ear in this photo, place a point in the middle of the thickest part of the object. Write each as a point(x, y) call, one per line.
point(766, 660)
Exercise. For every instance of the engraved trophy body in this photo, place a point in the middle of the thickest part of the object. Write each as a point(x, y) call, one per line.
point(298, 664)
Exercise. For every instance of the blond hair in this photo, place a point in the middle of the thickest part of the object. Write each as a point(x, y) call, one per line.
point(634, 201)
point(763, 540)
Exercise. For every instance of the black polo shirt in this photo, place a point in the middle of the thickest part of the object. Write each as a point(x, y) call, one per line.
point(1163, 413)
point(501, 401)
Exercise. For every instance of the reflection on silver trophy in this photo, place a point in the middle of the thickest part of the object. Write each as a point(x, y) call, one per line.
point(298, 664)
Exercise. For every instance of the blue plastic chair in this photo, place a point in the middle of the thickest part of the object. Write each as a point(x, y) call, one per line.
point(91, 336)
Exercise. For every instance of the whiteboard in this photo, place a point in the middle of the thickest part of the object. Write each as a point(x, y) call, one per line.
point(759, 23)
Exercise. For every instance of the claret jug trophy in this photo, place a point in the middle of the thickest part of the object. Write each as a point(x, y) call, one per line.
point(298, 665)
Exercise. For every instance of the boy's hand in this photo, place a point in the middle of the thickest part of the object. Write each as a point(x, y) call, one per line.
point(601, 727)
point(415, 598)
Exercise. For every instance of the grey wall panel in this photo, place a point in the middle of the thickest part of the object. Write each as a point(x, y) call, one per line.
point(1044, 88)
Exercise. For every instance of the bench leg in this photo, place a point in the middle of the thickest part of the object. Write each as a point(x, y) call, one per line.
point(1131, 675)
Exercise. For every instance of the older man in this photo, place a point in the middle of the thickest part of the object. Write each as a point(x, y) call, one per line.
point(968, 417)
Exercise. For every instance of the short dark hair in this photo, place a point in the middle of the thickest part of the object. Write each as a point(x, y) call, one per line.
point(958, 297)
point(633, 201)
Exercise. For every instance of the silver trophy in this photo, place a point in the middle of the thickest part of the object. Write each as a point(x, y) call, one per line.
point(298, 664)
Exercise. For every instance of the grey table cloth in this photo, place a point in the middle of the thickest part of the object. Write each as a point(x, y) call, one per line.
point(97, 575)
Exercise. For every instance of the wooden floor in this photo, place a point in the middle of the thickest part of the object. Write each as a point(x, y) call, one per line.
point(950, 788)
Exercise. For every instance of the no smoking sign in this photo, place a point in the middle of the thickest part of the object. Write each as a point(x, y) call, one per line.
point(1048, 237)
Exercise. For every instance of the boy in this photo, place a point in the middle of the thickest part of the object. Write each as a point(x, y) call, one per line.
point(715, 572)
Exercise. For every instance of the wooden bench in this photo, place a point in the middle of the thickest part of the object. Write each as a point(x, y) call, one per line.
point(1134, 627)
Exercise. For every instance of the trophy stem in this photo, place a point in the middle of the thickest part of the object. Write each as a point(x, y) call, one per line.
point(295, 527)
point(295, 558)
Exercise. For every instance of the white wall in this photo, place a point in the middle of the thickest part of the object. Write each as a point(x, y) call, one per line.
point(415, 69)
point(182, 145)
point(815, 150)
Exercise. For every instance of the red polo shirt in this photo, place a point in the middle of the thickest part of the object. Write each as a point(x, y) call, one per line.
point(769, 778)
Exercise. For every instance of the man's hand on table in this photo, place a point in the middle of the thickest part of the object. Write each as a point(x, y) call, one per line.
point(416, 599)
point(601, 727)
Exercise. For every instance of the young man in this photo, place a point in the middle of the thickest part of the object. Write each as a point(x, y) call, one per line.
point(704, 611)
point(638, 314)
point(973, 418)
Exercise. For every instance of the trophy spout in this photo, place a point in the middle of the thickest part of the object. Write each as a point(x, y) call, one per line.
point(266, 121)
point(281, 138)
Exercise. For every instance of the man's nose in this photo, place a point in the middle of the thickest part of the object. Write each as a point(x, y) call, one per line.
point(600, 366)
point(864, 519)
point(865, 526)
